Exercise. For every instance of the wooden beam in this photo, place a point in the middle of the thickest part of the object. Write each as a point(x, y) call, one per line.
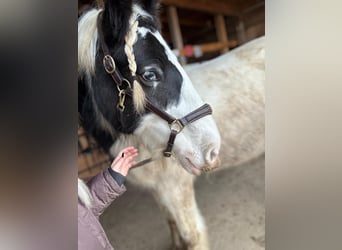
point(253, 7)
point(255, 17)
point(221, 31)
point(188, 22)
point(174, 27)
point(176, 34)
point(209, 6)
point(208, 47)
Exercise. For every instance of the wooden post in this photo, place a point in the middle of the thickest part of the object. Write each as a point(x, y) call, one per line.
point(240, 30)
point(176, 34)
point(221, 31)
point(210, 47)
point(100, 3)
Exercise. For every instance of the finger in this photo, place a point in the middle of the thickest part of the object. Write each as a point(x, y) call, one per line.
point(118, 158)
point(123, 168)
point(123, 160)
point(123, 152)
point(129, 153)
point(129, 149)
point(129, 156)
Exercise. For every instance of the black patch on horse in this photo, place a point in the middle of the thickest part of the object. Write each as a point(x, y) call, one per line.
point(149, 51)
point(148, 23)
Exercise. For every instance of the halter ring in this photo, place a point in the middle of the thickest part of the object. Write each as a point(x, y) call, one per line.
point(123, 87)
point(109, 64)
point(176, 126)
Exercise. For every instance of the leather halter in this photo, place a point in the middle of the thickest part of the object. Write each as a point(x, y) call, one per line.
point(176, 125)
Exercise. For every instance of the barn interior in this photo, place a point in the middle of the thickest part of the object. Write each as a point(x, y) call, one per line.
point(232, 200)
point(216, 25)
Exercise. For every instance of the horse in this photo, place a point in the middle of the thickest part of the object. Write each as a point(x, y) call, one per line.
point(234, 84)
point(133, 91)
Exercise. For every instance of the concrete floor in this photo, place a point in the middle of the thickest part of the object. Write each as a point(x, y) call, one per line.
point(231, 201)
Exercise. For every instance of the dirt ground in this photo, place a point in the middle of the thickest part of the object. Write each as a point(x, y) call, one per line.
point(231, 201)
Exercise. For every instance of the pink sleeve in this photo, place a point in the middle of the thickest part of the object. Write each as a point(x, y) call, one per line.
point(104, 190)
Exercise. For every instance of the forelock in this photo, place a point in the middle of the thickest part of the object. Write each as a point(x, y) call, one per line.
point(145, 19)
point(138, 11)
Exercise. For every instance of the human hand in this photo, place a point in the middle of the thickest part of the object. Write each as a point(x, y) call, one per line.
point(124, 160)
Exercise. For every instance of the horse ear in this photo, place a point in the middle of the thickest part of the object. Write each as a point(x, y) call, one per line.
point(150, 6)
point(116, 17)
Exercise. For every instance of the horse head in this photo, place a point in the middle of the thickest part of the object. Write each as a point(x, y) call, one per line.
point(131, 34)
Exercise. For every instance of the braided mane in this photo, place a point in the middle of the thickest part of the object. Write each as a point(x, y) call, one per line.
point(138, 92)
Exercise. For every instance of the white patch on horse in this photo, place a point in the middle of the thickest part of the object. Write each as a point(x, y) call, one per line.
point(138, 11)
point(84, 193)
point(189, 100)
point(87, 37)
point(143, 31)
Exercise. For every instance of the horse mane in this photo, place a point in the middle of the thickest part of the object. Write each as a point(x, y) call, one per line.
point(94, 121)
point(87, 42)
point(138, 92)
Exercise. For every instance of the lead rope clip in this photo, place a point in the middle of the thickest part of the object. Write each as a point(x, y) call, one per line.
point(121, 103)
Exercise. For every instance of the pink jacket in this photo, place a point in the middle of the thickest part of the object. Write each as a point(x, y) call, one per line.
point(104, 190)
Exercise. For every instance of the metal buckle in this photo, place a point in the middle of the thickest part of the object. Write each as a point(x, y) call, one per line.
point(122, 94)
point(176, 126)
point(167, 154)
point(121, 87)
point(109, 64)
point(121, 103)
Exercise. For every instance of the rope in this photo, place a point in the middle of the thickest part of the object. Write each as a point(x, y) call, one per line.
point(157, 154)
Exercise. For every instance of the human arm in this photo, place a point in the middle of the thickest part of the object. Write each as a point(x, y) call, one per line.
point(104, 187)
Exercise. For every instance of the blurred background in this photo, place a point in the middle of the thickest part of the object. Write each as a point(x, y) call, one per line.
point(218, 25)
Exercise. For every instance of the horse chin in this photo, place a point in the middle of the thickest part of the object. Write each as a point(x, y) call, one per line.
point(191, 168)
point(188, 166)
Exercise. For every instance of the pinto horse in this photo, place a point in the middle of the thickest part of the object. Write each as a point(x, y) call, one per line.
point(133, 91)
point(234, 84)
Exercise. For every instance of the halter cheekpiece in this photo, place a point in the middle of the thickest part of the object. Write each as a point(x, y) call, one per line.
point(124, 88)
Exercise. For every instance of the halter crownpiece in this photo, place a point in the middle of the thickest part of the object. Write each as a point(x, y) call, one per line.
point(176, 125)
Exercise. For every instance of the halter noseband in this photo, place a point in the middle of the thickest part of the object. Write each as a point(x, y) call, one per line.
point(176, 125)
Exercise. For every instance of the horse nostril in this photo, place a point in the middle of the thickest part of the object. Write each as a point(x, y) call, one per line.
point(212, 155)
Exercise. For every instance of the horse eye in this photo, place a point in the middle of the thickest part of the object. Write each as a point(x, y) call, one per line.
point(150, 76)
